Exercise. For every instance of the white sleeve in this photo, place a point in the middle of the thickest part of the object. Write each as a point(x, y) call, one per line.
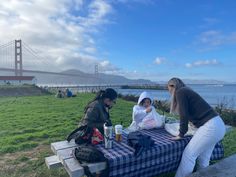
point(154, 109)
point(138, 113)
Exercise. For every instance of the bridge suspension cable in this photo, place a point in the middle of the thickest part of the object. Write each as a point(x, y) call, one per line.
point(6, 44)
point(7, 54)
point(32, 60)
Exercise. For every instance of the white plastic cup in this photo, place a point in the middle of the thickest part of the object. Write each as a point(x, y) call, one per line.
point(118, 132)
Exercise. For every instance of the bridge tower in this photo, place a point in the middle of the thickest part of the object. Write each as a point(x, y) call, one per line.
point(96, 70)
point(18, 58)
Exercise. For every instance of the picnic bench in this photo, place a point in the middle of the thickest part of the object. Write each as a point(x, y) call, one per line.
point(163, 157)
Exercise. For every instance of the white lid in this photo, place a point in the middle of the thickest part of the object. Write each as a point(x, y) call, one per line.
point(118, 126)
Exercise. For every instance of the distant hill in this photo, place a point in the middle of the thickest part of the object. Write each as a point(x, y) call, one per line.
point(194, 81)
point(77, 77)
point(191, 81)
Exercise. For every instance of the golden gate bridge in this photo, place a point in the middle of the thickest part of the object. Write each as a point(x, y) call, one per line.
point(11, 62)
point(12, 52)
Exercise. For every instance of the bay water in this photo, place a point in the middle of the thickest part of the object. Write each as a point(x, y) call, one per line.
point(213, 94)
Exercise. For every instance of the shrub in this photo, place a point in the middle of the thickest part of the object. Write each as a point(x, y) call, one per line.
point(227, 114)
point(128, 97)
point(164, 106)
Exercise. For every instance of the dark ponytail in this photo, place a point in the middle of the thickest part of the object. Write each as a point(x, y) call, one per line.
point(99, 95)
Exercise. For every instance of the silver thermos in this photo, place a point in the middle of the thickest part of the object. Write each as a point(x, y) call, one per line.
point(108, 130)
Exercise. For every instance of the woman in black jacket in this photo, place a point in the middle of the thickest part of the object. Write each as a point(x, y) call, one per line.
point(191, 107)
point(97, 111)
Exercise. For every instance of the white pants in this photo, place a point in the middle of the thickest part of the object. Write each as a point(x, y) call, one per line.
point(201, 146)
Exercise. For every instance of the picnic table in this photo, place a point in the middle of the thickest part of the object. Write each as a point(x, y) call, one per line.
point(163, 157)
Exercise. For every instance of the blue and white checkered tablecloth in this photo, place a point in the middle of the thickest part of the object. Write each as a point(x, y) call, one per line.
point(163, 157)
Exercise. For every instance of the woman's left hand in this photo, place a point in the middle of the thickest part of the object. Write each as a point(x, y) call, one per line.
point(176, 138)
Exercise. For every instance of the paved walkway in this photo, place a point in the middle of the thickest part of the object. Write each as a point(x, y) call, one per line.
point(223, 168)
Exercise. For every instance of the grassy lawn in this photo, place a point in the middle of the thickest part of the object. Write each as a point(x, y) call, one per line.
point(29, 124)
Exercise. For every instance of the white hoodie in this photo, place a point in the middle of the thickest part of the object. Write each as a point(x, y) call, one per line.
point(139, 112)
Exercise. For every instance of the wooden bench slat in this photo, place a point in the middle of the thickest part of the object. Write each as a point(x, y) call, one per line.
point(74, 169)
point(65, 153)
point(63, 156)
point(53, 162)
point(62, 145)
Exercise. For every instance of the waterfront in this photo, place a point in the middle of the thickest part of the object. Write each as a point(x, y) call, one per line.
point(213, 94)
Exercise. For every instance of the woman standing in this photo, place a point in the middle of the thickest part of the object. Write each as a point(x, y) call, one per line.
point(191, 107)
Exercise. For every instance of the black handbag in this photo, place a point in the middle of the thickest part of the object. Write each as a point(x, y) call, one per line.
point(139, 142)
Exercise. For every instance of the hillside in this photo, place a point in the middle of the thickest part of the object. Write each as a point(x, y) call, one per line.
point(24, 90)
point(76, 77)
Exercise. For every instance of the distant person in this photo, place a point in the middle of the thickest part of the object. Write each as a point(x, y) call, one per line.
point(68, 93)
point(191, 107)
point(144, 114)
point(97, 110)
point(59, 94)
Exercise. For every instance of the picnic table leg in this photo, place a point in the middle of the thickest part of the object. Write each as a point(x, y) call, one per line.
point(97, 174)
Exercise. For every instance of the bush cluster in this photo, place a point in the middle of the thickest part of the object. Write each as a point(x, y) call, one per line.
point(228, 115)
point(128, 97)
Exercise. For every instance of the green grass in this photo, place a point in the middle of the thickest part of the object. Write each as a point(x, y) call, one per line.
point(29, 124)
point(229, 143)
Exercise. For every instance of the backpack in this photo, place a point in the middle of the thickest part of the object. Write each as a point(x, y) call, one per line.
point(85, 153)
point(89, 154)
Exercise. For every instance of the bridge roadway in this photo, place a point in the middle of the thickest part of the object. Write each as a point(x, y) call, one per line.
point(46, 72)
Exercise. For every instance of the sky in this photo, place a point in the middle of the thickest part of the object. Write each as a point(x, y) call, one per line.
point(138, 39)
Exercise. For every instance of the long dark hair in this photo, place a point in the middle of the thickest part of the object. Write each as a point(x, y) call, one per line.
point(102, 94)
point(176, 83)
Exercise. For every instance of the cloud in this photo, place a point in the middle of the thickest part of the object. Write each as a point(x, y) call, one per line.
point(61, 33)
point(108, 68)
point(209, 22)
point(213, 38)
point(135, 1)
point(159, 60)
point(200, 63)
point(149, 75)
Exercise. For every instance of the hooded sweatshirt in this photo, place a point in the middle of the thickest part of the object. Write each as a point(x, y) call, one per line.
point(139, 111)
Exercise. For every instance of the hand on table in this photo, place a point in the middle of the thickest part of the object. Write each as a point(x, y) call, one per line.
point(176, 138)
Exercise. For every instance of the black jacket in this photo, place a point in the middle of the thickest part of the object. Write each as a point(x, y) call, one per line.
point(96, 115)
point(139, 142)
point(193, 108)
